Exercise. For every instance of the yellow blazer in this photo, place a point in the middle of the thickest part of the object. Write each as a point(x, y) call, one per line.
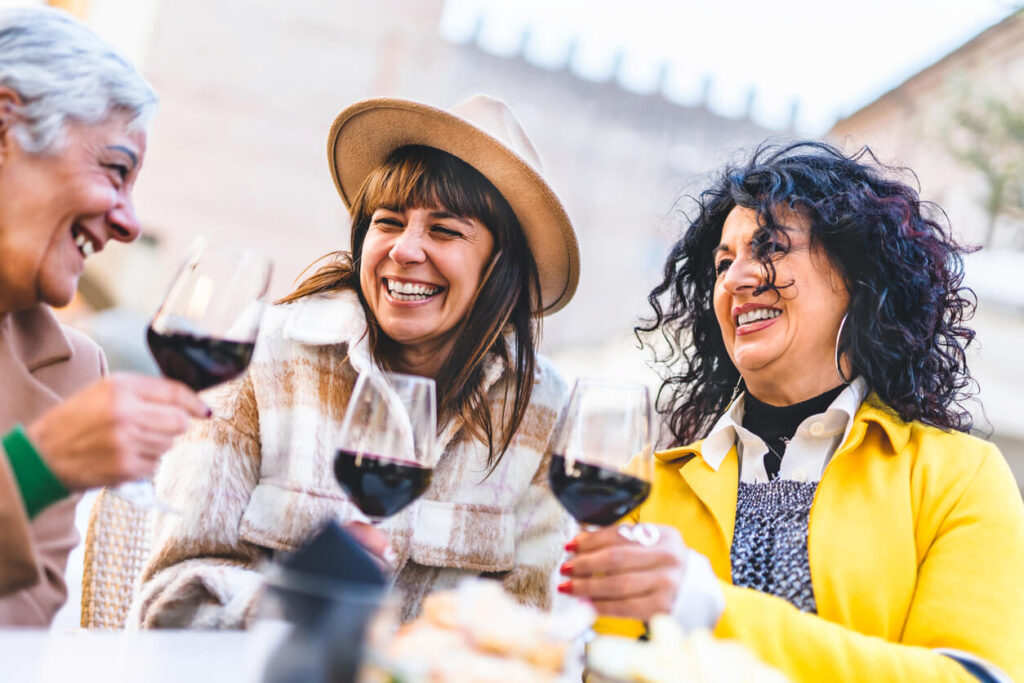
point(915, 542)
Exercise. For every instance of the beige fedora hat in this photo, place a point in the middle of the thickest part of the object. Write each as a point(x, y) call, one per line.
point(483, 132)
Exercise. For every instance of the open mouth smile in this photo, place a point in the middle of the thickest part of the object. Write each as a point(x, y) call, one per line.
point(754, 317)
point(86, 243)
point(410, 291)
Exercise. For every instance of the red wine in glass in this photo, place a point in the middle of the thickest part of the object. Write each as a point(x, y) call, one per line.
point(601, 451)
point(205, 330)
point(380, 486)
point(387, 446)
point(198, 361)
point(595, 495)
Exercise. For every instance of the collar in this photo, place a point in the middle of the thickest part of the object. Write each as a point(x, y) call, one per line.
point(332, 318)
point(729, 427)
point(875, 411)
point(35, 337)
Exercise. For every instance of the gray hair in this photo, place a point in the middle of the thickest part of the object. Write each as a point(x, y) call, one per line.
point(64, 72)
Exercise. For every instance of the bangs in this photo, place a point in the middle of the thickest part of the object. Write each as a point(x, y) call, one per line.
point(423, 177)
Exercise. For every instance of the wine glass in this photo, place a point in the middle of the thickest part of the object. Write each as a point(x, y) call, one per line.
point(388, 444)
point(205, 330)
point(601, 449)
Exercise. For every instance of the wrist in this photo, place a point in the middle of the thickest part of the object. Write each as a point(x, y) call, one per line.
point(699, 602)
point(38, 485)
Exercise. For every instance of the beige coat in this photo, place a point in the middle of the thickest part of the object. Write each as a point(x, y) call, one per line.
point(40, 364)
point(262, 480)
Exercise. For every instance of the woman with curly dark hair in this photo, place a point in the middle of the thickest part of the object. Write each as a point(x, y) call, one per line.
point(830, 510)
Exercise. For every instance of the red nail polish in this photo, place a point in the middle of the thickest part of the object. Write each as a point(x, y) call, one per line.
point(565, 587)
point(572, 546)
point(566, 569)
point(209, 411)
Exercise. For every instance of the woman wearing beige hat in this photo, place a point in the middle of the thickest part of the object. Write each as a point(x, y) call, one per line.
point(458, 247)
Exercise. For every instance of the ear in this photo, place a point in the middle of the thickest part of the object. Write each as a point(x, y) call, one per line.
point(10, 104)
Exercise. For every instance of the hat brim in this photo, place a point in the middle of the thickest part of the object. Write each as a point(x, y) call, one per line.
point(364, 134)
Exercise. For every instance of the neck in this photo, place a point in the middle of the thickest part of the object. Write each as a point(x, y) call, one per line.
point(792, 390)
point(418, 359)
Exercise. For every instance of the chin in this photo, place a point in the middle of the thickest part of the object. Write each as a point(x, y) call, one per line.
point(751, 362)
point(59, 296)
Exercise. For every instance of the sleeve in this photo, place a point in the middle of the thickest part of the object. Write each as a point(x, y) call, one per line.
point(543, 527)
point(18, 568)
point(54, 536)
point(200, 574)
point(542, 530)
point(968, 599)
point(34, 554)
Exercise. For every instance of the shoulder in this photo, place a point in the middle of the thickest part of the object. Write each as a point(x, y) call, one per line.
point(87, 359)
point(943, 462)
point(550, 388)
point(924, 443)
point(952, 455)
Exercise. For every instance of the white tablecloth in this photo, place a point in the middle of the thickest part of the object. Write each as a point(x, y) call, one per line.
point(28, 656)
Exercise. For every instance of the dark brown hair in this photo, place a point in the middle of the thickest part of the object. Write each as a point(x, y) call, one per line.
point(416, 176)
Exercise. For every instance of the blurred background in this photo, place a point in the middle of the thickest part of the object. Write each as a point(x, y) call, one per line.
point(631, 106)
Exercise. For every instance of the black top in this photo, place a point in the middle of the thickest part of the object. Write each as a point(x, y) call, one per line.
point(776, 425)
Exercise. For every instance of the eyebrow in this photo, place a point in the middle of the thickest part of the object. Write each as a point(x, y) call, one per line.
point(452, 216)
point(127, 152)
point(719, 249)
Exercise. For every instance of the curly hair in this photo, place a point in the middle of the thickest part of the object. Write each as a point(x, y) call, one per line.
point(906, 333)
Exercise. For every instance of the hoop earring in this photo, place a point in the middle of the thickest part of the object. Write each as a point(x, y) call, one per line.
point(839, 368)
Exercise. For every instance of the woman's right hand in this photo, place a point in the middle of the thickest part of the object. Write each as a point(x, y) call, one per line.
point(114, 430)
point(622, 577)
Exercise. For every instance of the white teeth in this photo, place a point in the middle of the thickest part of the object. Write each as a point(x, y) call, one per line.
point(757, 314)
point(84, 245)
point(408, 291)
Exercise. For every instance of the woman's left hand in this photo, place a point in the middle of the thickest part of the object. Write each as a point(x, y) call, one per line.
point(623, 577)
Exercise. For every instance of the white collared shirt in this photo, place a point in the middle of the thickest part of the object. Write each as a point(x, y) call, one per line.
point(807, 453)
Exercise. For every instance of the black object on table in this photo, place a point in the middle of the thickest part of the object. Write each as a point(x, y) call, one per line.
point(328, 590)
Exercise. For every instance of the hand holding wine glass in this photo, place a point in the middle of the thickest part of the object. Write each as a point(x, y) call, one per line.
point(600, 468)
point(205, 330)
point(387, 448)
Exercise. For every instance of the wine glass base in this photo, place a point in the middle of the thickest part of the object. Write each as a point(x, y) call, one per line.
point(142, 494)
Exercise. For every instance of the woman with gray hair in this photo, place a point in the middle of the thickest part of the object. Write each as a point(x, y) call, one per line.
point(73, 116)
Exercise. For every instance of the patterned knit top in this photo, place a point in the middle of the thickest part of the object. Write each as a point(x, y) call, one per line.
point(769, 547)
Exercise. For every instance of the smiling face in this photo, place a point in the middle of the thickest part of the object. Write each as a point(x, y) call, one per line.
point(783, 343)
point(420, 269)
point(58, 209)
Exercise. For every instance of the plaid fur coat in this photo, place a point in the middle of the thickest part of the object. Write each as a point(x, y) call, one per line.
point(258, 477)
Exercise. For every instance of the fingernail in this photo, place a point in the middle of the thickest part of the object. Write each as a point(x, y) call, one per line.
point(572, 546)
point(566, 569)
point(209, 411)
point(565, 587)
point(391, 557)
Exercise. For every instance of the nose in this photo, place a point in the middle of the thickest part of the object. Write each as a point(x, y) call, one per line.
point(124, 224)
point(408, 247)
point(744, 274)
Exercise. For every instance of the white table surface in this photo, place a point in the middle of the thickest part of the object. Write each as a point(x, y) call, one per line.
point(35, 656)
